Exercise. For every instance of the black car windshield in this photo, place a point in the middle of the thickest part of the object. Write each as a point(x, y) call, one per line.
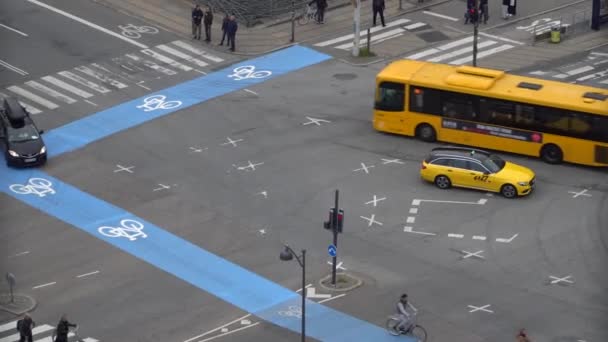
point(25, 133)
point(494, 163)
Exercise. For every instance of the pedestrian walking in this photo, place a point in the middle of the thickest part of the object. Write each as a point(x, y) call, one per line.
point(231, 28)
point(378, 8)
point(24, 327)
point(471, 14)
point(321, 5)
point(224, 32)
point(63, 328)
point(512, 7)
point(208, 20)
point(505, 9)
point(485, 11)
point(197, 15)
point(522, 336)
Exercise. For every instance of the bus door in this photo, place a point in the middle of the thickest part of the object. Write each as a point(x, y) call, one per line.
point(390, 107)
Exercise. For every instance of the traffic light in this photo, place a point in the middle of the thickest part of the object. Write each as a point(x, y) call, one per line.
point(330, 224)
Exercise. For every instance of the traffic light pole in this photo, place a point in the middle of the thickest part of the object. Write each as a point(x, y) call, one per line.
point(334, 230)
point(475, 32)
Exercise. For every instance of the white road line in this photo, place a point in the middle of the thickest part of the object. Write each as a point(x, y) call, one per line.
point(373, 38)
point(416, 202)
point(37, 330)
point(410, 219)
point(411, 230)
point(13, 68)
point(19, 254)
point(445, 47)
point(458, 236)
point(604, 82)
point(166, 59)
point(363, 33)
point(501, 38)
point(51, 92)
point(423, 54)
point(479, 237)
point(44, 285)
point(151, 65)
point(14, 30)
point(230, 332)
point(88, 23)
point(33, 97)
point(89, 339)
point(61, 84)
point(414, 26)
point(91, 103)
point(579, 70)
point(8, 326)
point(250, 91)
point(87, 274)
point(385, 39)
point(214, 330)
point(181, 55)
point(50, 338)
point(482, 54)
point(594, 75)
point(84, 82)
point(414, 211)
point(332, 298)
point(440, 15)
point(197, 51)
point(462, 51)
point(99, 76)
point(599, 53)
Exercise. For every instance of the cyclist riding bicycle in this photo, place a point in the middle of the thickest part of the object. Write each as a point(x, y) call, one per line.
point(406, 313)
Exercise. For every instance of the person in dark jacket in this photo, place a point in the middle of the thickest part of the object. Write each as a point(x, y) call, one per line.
point(231, 28)
point(321, 6)
point(485, 11)
point(208, 20)
point(512, 9)
point(378, 8)
point(471, 14)
point(224, 32)
point(505, 9)
point(25, 326)
point(63, 328)
point(197, 15)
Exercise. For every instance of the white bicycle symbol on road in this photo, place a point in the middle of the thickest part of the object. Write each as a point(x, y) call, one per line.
point(135, 32)
point(129, 229)
point(294, 311)
point(37, 186)
point(158, 102)
point(248, 71)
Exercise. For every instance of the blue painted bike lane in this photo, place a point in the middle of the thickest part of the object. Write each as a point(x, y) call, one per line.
point(170, 253)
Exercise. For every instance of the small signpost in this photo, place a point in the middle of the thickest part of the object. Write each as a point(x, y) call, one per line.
point(335, 224)
point(10, 278)
point(332, 251)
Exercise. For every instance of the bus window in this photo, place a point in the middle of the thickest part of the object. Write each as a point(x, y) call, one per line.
point(599, 128)
point(458, 106)
point(498, 112)
point(390, 97)
point(424, 100)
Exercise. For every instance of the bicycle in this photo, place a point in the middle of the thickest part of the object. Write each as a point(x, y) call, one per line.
point(309, 13)
point(417, 331)
point(135, 32)
point(73, 333)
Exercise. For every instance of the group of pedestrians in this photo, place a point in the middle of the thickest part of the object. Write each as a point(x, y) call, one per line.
point(229, 26)
point(26, 324)
point(482, 13)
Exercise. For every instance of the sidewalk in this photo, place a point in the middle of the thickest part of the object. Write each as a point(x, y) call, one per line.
point(174, 16)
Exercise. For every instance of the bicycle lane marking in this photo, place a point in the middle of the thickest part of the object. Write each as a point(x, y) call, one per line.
point(112, 120)
point(172, 254)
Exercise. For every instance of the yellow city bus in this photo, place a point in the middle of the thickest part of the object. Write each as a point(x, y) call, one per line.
point(493, 109)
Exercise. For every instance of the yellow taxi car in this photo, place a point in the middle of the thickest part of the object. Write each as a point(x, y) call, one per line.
point(476, 169)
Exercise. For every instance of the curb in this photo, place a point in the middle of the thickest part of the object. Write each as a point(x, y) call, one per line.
point(382, 59)
point(30, 305)
point(358, 282)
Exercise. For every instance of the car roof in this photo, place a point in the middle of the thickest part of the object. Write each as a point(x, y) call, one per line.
point(13, 109)
point(460, 152)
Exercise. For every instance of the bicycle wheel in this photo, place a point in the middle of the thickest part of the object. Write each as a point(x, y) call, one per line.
point(419, 333)
point(303, 19)
point(391, 326)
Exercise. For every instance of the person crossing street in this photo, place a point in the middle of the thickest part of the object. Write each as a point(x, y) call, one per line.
point(24, 327)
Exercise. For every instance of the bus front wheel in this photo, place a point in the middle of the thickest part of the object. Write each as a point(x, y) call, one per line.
point(551, 154)
point(426, 132)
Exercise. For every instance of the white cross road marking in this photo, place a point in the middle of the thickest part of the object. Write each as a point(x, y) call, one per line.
point(364, 168)
point(507, 240)
point(581, 193)
point(557, 280)
point(376, 200)
point(410, 230)
point(231, 142)
point(263, 193)
point(250, 167)
point(315, 121)
point(195, 149)
point(468, 254)
point(124, 168)
point(371, 220)
point(480, 308)
point(162, 187)
point(391, 161)
point(338, 266)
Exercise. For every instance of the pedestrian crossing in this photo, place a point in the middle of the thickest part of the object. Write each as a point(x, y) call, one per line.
point(460, 51)
point(84, 82)
point(591, 70)
point(378, 34)
point(40, 333)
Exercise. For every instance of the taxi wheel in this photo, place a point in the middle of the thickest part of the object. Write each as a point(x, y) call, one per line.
point(443, 182)
point(551, 154)
point(509, 191)
point(426, 132)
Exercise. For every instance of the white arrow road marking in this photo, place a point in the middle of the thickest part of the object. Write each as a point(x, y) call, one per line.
point(338, 266)
point(507, 240)
point(411, 230)
point(311, 293)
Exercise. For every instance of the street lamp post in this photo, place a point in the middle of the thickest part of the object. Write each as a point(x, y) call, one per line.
point(475, 32)
point(286, 255)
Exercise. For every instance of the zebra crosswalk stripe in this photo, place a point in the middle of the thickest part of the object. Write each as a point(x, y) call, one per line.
point(84, 82)
point(28, 107)
point(151, 64)
point(51, 92)
point(374, 38)
point(181, 55)
point(61, 84)
point(462, 51)
point(37, 330)
point(101, 77)
point(33, 97)
point(166, 60)
point(363, 33)
point(482, 54)
point(197, 51)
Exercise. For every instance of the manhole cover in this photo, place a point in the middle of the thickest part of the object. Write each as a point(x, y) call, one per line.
point(432, 36)
point(345, 77)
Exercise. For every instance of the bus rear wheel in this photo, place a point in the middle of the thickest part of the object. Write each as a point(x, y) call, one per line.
point(551, 154)
point(426, 132)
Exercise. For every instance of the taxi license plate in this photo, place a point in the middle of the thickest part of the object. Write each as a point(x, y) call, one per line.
point(29, 160)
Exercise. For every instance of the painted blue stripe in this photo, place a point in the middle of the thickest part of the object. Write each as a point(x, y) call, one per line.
point(126, 115)
point(222, 278)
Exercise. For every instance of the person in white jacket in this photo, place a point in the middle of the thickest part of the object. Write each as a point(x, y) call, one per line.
point(407, 314)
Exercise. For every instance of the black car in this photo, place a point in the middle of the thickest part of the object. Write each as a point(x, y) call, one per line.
point(23, 145)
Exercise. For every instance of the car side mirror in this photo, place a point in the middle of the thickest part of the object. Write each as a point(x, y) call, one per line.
point(41, 131)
